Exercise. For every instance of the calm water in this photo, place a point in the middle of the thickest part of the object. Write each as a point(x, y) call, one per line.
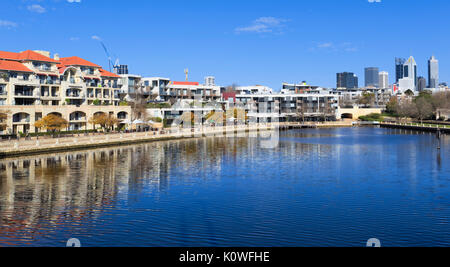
point(328, 187)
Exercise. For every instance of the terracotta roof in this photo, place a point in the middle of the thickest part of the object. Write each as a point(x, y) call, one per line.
point(77, 61)
point(25, 55)
point(13, 66)
point(105, 73)
point(62, 68)
point(34, 56)
point(9, 55)
point(185, 83)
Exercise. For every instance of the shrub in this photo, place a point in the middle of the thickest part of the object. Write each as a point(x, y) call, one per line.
point(372, 117)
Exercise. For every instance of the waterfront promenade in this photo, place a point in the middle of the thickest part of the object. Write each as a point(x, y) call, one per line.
point(11, 148)
point(42, 145)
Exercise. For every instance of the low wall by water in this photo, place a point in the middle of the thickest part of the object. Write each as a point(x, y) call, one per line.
point(13, 148)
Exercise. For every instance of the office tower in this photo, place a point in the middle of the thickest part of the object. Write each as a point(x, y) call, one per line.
point(383, 80)
point(433, 73)
point(409, 80)
point(121, 69)
point(421, 84)
point(372, 77)
point(210, 81)
point(347, 80)
point(399, 62)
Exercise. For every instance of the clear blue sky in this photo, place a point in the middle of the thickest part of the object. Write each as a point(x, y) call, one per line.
point(245, 42)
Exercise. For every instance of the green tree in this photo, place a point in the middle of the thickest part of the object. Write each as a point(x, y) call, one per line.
point(392, 106)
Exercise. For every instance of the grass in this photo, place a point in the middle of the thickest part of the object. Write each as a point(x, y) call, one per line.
point(373, 117)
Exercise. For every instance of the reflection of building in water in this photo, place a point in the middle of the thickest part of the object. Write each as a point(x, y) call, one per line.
point(57, 189)
point(73, 188)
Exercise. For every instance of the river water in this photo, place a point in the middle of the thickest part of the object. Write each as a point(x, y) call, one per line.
point(316, 187)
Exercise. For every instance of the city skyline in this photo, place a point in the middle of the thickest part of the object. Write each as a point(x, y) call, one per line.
point(261, 45)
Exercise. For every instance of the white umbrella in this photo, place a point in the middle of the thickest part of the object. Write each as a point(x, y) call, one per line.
point(127, 121)
point(138, 122)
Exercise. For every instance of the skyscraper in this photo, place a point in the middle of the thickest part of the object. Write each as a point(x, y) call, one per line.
point(433, 73)
point(399, 62)
point(384, 80)
point(347, 80)
point(372, 77)
point(421, 84)
point(409, 80)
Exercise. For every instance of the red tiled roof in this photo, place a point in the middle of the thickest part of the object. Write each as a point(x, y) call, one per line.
point(25, 55)
point(77, 61)
point(185, 83)
point(34, 56)
point(105, 73)
point(13, 66)
point(9, 55)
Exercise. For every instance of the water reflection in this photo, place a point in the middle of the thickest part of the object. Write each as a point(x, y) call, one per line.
point(45, 199)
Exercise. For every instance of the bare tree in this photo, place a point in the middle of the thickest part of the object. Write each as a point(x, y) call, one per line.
point(424, 109)
point(407, 109)
point(139, 102)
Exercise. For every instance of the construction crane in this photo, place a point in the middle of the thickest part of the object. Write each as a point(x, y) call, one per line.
point(112, 64)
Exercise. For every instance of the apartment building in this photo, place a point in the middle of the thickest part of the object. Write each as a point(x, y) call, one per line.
point(253, 90)
point(298, 88)
point(189, 91)
point(286, 107)
point(33, 85)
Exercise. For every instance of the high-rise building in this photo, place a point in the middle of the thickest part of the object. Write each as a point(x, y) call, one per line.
point(433, 73)
point(347, 80)
point(372, 77)
point(121, 69)
point(399, 62)
point(409, 80)
point(421, 84)
point(383, 80)
point(210, 81)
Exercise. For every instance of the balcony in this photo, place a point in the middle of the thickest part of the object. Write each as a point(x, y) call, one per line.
point(49, 82)
point(27, 81)
point(74, 94)
point(47, 95)
point(25, 94)
point(78, 119)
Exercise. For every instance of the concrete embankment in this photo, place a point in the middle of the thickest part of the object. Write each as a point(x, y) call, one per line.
point(16, 148)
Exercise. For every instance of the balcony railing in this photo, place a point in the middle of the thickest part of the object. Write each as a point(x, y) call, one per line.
point(23, 93)
point(26, 120)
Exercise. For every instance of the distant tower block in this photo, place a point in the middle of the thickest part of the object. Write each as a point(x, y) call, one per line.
point(186, 71)
point(210, 81)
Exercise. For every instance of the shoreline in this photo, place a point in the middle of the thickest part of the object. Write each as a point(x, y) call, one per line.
point(34, 147)
point(80, 143)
